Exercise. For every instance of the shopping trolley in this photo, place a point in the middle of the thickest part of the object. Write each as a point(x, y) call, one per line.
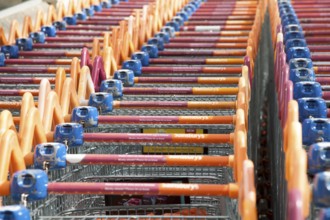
point(301, 74)
point(126, 148)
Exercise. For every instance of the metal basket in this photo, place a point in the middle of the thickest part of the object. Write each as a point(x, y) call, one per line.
point(77, 206)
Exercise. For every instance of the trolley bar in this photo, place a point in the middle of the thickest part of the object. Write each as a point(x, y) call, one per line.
point(200, 80)
point(167, 119)
point(144, 91)
point(24, 69)
point(207, 45)
point(182, 91)
point(53, 53)
point(174, 104)
point(181, 53)
point(159, 138)
point(168, 189)
point(150, 160)
point(190, 69)
point(24, 80)
point(197, 61)
point(152, 104)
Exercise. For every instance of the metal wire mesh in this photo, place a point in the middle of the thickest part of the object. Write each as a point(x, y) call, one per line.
point(136, 128)
point(157, 85)
point(94, 207)
point(173, 112)
point(78, 205)
point(90, 205)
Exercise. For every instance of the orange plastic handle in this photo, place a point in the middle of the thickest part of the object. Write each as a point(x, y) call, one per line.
point(212, 61)
point(206, 119)
point(212, 105)
point(28, 27)
point(11, 159)
point(41, 20)
point(200, 160)
point(218, 80)
point(293, 116)
point(245, 75)
point(14, 32)
point(201, 138)
point(240, 152)
point(6, 121)
point(51, 15)
point(230, 190)
point(248, 195)
point(299, 179)
point(32, 130)
point(294, 142)
point(69, 92)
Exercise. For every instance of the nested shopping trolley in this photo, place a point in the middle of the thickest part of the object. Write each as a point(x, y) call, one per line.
point(301, 76)
point(205, 178)
point(144, 160)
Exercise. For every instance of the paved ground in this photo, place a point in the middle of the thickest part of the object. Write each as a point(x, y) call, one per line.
point(19, 11)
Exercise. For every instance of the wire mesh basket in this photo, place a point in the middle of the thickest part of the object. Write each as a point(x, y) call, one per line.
point(76, 206)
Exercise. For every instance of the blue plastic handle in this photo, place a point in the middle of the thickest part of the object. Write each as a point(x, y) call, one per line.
point(299, 42)
point(298, 52)
point(97, 8)
point(60, 25)
point(179, 20)
point(134, 65)
point(126, 76)
point(159, 42)
point(315, 130)
point(307, 89)
point(49, 31)
point(164, 36)
point(106, 4)
point(301, 63)
point(52, 153)
point(113, 86)
point(173, 24)
point(151, 49)
point(2, 59)
point(25, 44)
point(321, 190)
point(293, 35)
point(292, 27)
point(38, 37)
point(191, 7)
point(324, 214)
point(289, 16)
point(10, 51)
point(89, 11)
point(70, 134)
point(142, 56)
point(301, 74)
point(30, 182)
point(102, 101)
point(168, 29)
point(81, 16)
point(14, 212)
point(312, 107)
point(197, 3)
point(286, 9)
point(184, 15)
point(289, 19)
point(318, 157)
point(188, 9)
point(86, 115)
